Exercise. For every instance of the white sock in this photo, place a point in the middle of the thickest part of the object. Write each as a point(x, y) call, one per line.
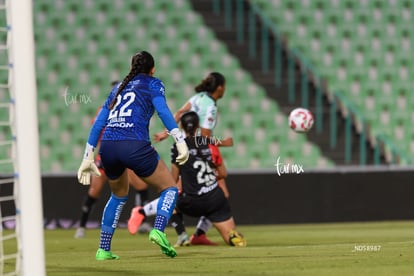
point(151, 208)
point(204, 224)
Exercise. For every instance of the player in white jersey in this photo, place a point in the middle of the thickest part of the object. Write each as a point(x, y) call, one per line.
point(203, 104)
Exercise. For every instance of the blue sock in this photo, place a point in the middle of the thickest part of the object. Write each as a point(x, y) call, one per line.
point(110, 217)
point(165, 207)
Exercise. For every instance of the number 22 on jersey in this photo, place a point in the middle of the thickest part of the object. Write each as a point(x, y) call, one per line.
point(125, 101)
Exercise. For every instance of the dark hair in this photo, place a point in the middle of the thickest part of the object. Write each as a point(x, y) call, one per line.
point(141, 62)
point(190, 122)
point(211, 83)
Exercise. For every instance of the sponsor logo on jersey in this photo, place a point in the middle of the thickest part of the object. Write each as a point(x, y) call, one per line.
point(207, 189)
point(119, 122)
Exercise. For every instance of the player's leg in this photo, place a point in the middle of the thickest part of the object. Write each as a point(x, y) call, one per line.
point(162, 179)
point(139, 213)
point(228, 232)
point(94, 192)
point(141, 198)
point(199, 237)
point(177, 222)
point(111, 214)
point(205, 224)
point(222, 219)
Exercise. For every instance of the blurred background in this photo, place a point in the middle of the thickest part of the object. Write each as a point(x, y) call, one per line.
point(349, 61)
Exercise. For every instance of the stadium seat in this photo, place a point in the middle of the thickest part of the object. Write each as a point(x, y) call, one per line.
point(81, 46)
point(365, 47)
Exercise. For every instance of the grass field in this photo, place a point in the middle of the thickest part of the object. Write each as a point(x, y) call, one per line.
point(381, 248)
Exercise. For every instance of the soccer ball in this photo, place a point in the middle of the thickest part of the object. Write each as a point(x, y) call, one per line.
point(300, 120)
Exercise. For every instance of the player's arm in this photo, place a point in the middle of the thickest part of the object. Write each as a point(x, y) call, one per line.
point(175, 171)
point(226, 142)
point(221, 171)
point(164, 134)
point(185, 108)
point(160, 104)
point(88, 165)
point(98, 126)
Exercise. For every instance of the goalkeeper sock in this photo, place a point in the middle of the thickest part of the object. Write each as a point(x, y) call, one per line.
point(151, 207)
point(86, 210)
point(165, 208)
point(105, 240)
point(110, 218)
point(203, 225)
point(178, 223)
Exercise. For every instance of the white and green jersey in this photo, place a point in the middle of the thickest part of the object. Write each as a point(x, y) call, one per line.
point(205, 106)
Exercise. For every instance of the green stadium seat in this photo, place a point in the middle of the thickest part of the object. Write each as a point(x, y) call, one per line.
point(84, 34)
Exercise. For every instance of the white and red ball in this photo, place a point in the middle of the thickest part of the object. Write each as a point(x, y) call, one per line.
point(300, 119)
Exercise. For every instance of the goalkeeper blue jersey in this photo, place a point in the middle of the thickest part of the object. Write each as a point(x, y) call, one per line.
point(129, 119)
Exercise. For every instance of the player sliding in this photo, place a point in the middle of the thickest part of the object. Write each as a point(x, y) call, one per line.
point(125, 144)
point(200, 193)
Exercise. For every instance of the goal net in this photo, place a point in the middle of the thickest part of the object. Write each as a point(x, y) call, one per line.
point(21, 229)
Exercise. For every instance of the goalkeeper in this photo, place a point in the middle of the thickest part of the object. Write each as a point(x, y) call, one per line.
point(125, 144)
point(96, 186)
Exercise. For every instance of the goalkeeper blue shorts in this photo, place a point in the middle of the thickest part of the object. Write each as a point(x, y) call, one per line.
point(139, 156)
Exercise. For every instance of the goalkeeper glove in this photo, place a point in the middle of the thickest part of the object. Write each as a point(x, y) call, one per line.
point(182, 148)
point(87, 166)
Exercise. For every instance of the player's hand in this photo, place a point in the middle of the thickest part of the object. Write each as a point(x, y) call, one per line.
point(87, 166)
point(158, 137)
point(182, 148)
point(226, 142)
point(183, 153)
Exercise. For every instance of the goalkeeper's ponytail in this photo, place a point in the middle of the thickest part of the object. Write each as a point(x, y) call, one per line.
point(141, 62)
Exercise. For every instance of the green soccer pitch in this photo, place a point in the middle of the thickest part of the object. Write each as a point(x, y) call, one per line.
point(375, 248)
